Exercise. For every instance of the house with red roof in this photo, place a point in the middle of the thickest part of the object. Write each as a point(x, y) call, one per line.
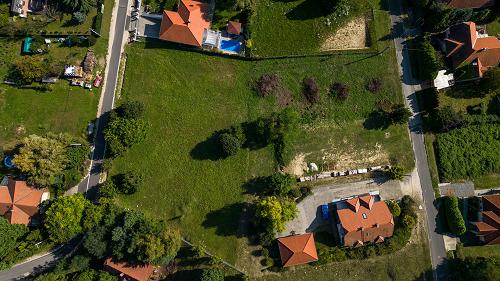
point(487, 228)
point(464, 45)
point(19, 202)
point(363, 219)
point(187, 25)
point(297, 249)
point(127, 271)
point(469, 4)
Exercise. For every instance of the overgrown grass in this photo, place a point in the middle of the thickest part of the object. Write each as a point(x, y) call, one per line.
point(297, 26)
point(487, 181)
point(482, 251)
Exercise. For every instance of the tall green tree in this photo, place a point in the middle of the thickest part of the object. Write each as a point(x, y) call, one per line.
point(83, 6)
point(41, 158)
point(27, 69)
point(63, 219)
point(275, 212)
point(10, 235)
point(122, 133)
point(95, 242)
point(159, 247)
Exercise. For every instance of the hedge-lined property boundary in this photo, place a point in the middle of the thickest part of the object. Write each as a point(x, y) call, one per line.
point(456, 223)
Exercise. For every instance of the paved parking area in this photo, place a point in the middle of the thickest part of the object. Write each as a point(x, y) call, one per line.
point(309, 216)
point(149, 26)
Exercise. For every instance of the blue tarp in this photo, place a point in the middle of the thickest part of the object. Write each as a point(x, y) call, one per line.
point(27, 45)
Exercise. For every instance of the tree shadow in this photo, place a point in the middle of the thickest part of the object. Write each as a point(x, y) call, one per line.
point(187, 275)
point(377, 120)
point(225, 220)
point(256, 185)
point(309, 9)
point(208, 149)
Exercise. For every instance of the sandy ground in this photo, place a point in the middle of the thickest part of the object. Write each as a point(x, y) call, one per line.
point(350, 36)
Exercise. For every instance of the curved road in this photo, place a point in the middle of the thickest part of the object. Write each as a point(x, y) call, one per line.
point(410, 86)
point(89, 184)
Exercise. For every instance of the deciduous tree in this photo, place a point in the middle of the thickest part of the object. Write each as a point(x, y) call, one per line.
point(63, 219)
point(27, 69)
point(275, 212)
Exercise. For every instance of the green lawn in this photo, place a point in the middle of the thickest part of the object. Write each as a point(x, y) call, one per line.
point(189, 95)
point(493, 28)
point(482, 251)
point(293, 27)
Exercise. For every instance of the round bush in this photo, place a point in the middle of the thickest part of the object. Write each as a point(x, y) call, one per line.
point(229, 144)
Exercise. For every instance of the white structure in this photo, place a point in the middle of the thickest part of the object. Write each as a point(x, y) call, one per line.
point(443, 80)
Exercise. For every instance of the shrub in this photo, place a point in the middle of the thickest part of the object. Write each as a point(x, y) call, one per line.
point(128, 183)
point(268, 262)
point(454, 217)
point(229, 144)
point(399, 114)
point(107, 189)
point(384, 105)
point(273, 213)
point(394, 207)
point(447, 119)
point(295, 193)
point(340, 91)
point(428, 61)
point(131, 109)
point(374, 85)
point(79, 17)
point(212, 274)
point(408, 221)
point(311, 90)
point(98, 22)
point(280, 184)
point(395, 173)
point(267, 84)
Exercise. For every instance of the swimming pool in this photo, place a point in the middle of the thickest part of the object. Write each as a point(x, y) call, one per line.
point(230, 45)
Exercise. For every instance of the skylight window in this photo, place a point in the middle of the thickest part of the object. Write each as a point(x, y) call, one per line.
point(364, 216)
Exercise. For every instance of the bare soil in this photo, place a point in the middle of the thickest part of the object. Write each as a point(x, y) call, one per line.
point(297, 166)
point(350, 36)
point(347, 157)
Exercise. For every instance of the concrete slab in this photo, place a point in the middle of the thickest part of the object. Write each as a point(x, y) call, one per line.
point(450, 243)
point(148, 27)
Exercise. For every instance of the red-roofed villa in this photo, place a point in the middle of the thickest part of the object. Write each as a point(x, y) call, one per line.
point(363, 219)
point(487, 228)
point(128, 272)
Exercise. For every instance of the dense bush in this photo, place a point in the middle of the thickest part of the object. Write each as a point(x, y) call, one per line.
point(280, 184)
point(273, 213)
point(395, 173)
point(399, 114)
point(79, 17)
point(374, 85)
point(475, 268)
point(447, 119)
point(128, 183)
point(212, 274)
point(229, 144)
point(340, 91)
point(469, 152)
point(131, 109)
point(267, 84)
point(456, 223)
point(311, 90)
point(428, 63)
point(394, 208)
point(121, 133)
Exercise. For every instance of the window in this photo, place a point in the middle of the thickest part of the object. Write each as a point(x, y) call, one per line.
point(364, 216)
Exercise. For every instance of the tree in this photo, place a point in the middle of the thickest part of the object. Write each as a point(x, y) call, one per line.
point(95, 242)
point(229, 144)
point(78, 263)
point(131, 109)
point(428, 62)
point(92, 216)
point(420, 3)
point(311, 90)
point(122, 133)
point(399, 114)
point(83, 6)
point(212, 274)
point(456, 222)
point(476, 268)
point(63, 219)
point(76, 155)
point(129, 182)
point(396, 172)
point(79, 17)
point(280, 184)
point(11, 234)
point(41, 158)
point(107, 189)
point(447, 119)
point(160, 248)
point(27, 69)
point(275, 213)
point(394, 208)
point(490, 81)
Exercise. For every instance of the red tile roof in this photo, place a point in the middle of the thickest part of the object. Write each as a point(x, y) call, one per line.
point(364, 217)
point(464, 46)
point(488, 228)
point(234, 27)
point(187, 25)
point(133, 272)
point(297, 249)
point(461, 4)
point(19, 202)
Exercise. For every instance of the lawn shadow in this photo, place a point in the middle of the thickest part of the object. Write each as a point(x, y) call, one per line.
point(376, 121)
point(309, 9)
point(187, 275)
point(225, 220)
point(208, 149)
point(256, 185)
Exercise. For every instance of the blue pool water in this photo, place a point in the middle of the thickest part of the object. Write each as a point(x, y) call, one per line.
point(230, 45)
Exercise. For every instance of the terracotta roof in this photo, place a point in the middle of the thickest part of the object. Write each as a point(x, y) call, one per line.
point(19, 202)
point(364, 217)
point(297, 249)
point(493, 200)
point(234, 27)
point(464, 46)
point(483, 228)
point(461, 4)
point(136, 272)
point(187, 25)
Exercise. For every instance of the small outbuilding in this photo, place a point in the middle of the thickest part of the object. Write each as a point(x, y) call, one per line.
point(297, 249)
point(234, 27)
point(128, 271)
point(73, 71)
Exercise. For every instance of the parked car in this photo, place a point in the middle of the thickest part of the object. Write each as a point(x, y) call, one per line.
point(97, 81)
point(325, 212)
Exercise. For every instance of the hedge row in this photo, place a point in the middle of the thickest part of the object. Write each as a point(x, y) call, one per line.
point(454, 218)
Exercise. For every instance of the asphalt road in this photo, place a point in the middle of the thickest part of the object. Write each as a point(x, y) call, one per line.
point(409, 85)
point(89, 184)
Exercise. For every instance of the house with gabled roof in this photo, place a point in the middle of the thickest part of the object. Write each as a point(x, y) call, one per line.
point(187, 25)
point(128, 271)
point(363, 219)
point(487, 228)
point(464, 45)
point(297, 249)
point(19, 202)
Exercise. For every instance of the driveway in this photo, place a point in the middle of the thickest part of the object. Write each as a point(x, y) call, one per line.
point(309, 216)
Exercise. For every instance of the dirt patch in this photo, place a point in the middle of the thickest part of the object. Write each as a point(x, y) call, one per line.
point(20, 130)
point(348, 157)
point(297, 166)
point(350, 36)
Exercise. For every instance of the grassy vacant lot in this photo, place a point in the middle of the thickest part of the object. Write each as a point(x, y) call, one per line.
point(189, 95)
point(297, 26)
point(482, 251)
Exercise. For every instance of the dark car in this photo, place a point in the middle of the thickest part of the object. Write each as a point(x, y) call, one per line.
point(325, 212)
